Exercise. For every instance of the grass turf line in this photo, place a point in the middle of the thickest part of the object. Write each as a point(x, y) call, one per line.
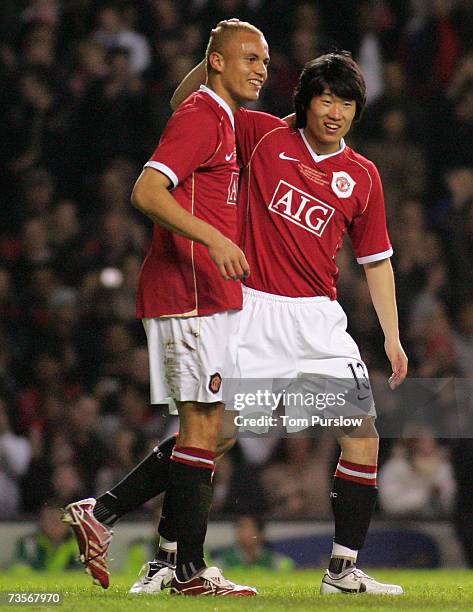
point(444, 590)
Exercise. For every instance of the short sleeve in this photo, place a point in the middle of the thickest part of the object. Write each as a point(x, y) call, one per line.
point(250, 127)
point(188, 141)
point(368, 231)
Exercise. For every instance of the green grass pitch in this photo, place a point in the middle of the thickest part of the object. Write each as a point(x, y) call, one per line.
point(445, 590)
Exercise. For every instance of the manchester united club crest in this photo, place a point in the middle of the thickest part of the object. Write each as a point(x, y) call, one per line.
point(215, 382)
point(342, 184)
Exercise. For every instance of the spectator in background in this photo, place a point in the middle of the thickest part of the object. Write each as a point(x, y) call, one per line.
point(420, 271)
point(10, 317)
point(37, 197)
point(400, 159)
point(50, 548)
point(307, 40)
point(65, 232)
point(124, 295)
point(251, 549)
point(456, 230)
point(63, 225)
point(459, 198)
point(417, 480)
point(297, 484)
point(117, 343)
point(83, 430)
point(135, 413)
point(371, 18)
point(463, 339)
point(39, 192)
point(15, 454)
point(223, 498)
point(42, 11)
point(47, 381)
point(457, 114)
point(464, 22)
point(462, 75)
point(430, 46)
point(116, 393)
point(165, 17)
point(115, 184)
point(90, 66)
point(432, 334)
point(37, 126)
point(38, 47)
point(51, 449)
point(113, 32)
point(63, 332)
point(125, 451)
point(394, 96)
point(66, 483)
point(364, 323)
point(112, 116)
point(36, 249)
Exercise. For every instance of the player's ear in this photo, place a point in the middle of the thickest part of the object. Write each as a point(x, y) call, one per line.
point(216, 61)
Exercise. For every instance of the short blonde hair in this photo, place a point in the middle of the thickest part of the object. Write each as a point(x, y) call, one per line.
point(223, 32)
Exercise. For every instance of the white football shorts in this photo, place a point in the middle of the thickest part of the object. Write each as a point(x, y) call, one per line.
point(190, 357)
point(301, 343)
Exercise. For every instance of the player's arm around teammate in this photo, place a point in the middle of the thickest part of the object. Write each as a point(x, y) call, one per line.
point(191, 82)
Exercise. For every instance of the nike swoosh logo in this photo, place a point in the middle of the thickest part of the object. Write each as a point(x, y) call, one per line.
point(363, 398)
point(229, 156)
point(345, 590)
point(284, 156)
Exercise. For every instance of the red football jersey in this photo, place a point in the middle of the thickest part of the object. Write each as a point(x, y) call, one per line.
point(295, 207)
point(197, 153)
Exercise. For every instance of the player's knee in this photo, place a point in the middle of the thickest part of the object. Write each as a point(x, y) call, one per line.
point(362, 444)
point(199, 425)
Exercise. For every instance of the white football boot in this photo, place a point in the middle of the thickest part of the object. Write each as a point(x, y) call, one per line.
point(355, 581)
point(153, 578)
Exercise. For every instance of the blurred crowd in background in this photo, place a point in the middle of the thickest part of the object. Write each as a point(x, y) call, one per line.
point(85, 95)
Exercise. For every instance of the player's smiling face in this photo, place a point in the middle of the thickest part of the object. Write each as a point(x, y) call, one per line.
point(245, 66)
point(329, 119)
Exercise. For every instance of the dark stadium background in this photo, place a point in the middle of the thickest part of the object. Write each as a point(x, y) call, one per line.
point(84, 96)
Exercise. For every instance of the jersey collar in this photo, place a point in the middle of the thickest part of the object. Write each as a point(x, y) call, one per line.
point(219, 101)
point(319, 158)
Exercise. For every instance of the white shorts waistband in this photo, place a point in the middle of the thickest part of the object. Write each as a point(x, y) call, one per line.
point(271, 297)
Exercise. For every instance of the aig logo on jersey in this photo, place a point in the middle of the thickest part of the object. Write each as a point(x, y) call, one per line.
point(343, 184)
point(301, 208)
point(233, 189)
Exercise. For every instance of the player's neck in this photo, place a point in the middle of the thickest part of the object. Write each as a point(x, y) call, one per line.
point(216, 87)
point(321, 148)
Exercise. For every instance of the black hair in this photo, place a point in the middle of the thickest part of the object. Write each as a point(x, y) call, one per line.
point(336, 71)
point(258, 519)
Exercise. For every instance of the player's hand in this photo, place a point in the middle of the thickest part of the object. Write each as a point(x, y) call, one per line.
point(398, 360)
point(229, 258)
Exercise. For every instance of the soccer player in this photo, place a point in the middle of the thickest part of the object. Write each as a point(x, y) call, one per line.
point(302, 190)
point(189, 300)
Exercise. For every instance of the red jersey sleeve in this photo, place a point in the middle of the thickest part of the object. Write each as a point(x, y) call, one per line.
point(250, 127)
point(189, 140)
point(368, 231)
